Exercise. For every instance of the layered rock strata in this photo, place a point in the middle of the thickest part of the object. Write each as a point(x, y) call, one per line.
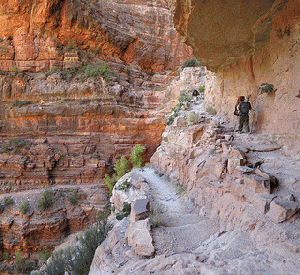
point(25, 226)
point(33, 34)
point(246, 45)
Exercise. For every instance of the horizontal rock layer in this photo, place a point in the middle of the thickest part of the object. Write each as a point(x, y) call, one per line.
point(37, 36)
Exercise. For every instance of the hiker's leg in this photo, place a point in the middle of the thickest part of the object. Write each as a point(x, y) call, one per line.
point(240, 123)
point(247, 123)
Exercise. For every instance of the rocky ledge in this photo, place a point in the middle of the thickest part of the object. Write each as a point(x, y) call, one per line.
point(238, 212)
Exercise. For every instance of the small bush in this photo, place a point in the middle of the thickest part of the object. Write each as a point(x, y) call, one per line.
point(193, 62)
point(4, 149)
point(8, 201)
point(97, 69)
point(24, 207)
point(136, 156)
point(201, 89)
point(20, 104)
point(73, 197)
point(211, 111)
point(5, 256)
point(46, 200)
point(156, 217)
point(18, 142)
point(193, 118)
point(109, 183)
point(44, 255)
point(174, 114)
point(126, 209)
point(84, 101)
point(159, 174)
point(266, 88)
point(185, 96)
point(124, 186)
point(121, 168)
point(22, 265)
point(52, 71)
point(15, 69)
point(78, 259)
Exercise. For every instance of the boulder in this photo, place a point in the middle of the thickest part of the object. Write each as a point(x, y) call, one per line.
point(140, 210)
point(139, 238)
point(282, 210)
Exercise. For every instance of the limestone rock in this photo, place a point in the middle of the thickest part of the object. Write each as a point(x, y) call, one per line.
point(281, 210)
point(139, 238)
point(140, 210)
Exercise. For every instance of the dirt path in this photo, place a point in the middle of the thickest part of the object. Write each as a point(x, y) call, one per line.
point(182, 228)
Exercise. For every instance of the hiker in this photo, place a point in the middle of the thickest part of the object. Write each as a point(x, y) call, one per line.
point(243, 109)
point(195, 95)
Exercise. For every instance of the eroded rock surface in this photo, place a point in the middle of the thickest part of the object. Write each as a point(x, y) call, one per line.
point(141, 32)
point(246, 45)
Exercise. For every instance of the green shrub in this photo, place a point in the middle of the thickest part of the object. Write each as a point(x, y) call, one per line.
point(175, 113)
point(20, 104)
point(126, 209)
point(124, 186)
point(265, 88)
point(22, 265)
point(185, 96)
point(84, 101)
point(211, 111)
point(78, 259)
point(155, 216)
point(109, 183)
point(136, 156)
point(46, 199)
point(5, 256)
point(201, 89)
point(4, 148)
point(105, 213)
point(44, 255)
point(121, 168)
point(24, 207)
point(97, 69)
point(8, 201)
point(15, 69)
point(73, 197)
point(193, 118)
point(52, 71)
point(193, 62)
point(18, 142)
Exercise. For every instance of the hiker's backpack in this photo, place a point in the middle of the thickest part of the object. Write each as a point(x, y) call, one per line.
point(244, 107)
point(195, 93)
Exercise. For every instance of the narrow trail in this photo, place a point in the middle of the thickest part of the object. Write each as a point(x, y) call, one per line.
point(183, 229)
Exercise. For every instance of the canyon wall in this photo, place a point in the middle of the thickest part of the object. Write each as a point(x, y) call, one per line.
point(246, 45)
point(33, 33)
point(81, 83)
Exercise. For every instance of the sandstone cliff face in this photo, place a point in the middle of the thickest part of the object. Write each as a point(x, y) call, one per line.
point(64, 128)
point(247, 45)
point(34, 33)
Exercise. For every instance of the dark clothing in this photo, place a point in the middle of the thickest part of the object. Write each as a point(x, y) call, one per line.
point(244, 120)
point(244, 107)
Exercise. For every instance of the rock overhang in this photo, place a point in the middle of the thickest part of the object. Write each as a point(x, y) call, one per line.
point(223, 32)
